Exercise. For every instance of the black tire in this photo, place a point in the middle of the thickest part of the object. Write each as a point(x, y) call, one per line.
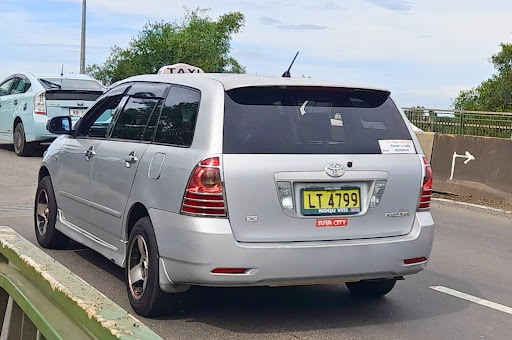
point(372, 289)
point(146, 299)
point(45, 216)
point(21, 147)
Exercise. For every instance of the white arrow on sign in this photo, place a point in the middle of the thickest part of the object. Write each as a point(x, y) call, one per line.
point(469, 157)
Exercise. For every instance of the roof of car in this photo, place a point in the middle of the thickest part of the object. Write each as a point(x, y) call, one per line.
point(231, 81)
point(74, 76)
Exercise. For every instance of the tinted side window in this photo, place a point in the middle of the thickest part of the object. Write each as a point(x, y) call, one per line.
point(178, 119)
point(5, 87)
point(14, 87)
point(20, 86)
point(27, 86)
point(148, 90)
point(102, 114)
point(134, 118)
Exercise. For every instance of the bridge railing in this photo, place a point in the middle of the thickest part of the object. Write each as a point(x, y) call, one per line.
point(475, 123)
point(42, 299)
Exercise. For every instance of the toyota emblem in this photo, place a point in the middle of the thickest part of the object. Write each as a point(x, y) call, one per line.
point(335, 169)
point(80, 103)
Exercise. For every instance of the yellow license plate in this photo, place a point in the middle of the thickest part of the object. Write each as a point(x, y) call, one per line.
point(331, 201)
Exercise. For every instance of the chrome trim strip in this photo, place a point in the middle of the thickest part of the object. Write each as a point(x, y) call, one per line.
point(96, 206)
point(76, 198)
point(106, 210)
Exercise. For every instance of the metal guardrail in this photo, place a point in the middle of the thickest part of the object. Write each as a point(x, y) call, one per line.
point(475, 123)
point(42, 299)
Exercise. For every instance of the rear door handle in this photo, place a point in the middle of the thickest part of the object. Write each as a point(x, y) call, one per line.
point(89, 153)
point(130, 159)
point(25, 107)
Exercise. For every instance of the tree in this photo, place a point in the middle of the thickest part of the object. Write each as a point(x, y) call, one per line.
point(196, 39)
point(494, 94)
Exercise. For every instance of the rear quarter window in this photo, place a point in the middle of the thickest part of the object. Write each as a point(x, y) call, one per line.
point(177, 122)
point(309, 120)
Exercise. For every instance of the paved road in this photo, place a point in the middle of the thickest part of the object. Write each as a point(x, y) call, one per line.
point(472, 255)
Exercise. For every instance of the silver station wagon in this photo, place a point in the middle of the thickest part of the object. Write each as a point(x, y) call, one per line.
point(237, 180)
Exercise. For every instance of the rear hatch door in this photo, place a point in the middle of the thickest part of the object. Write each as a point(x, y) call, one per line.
point(70, 97)
point(314, 164)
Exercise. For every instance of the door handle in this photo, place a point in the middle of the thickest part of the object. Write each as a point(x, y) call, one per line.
point(25, 107)
point(15, 101)
point(89, 153)
point(130, 159)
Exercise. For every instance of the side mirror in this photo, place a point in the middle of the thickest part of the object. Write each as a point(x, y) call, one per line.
point(60, 125)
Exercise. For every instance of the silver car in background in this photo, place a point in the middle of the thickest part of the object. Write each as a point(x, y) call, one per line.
point(237, 180)
point(28, 101)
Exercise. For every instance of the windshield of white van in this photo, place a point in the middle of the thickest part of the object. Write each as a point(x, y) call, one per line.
point(309, 120)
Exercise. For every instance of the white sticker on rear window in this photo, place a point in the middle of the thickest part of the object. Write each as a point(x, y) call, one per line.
point(396, 146)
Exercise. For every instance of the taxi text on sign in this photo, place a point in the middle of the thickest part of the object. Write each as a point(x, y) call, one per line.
point(179, 68)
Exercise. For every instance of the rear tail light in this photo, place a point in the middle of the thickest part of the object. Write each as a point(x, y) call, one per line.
point(378, 191)
point(426, 191)
point(285, 195)
point(40, 103)
point(204, 195)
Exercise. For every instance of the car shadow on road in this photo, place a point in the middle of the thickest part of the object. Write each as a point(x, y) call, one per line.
point(266, 310)
point(299, 309)
point(100, 261)
point(38, 150)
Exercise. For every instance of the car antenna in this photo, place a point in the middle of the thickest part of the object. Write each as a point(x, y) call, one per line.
point(287, 74)
point(61, 74)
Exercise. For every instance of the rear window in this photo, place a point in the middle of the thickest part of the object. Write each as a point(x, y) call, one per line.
point(71, 84)
point(309, 120)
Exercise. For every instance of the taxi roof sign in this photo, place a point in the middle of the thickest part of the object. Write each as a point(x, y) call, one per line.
point(179, 68)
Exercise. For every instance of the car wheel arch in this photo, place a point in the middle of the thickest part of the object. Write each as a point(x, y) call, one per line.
point(136, 212)
point(43, 172)
point(17, 120)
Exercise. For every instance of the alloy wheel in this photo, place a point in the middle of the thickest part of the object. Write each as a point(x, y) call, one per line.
point(43, 212)
point(138, 267)
point(18, 138)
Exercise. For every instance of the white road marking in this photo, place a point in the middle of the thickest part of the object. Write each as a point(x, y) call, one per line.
point(474, 299)
point(472, 205)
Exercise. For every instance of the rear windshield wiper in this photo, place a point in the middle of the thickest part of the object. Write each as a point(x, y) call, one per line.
point(50, 84)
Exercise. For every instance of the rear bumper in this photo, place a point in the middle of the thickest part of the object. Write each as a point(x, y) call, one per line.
point(38, 132)
point(190, 248)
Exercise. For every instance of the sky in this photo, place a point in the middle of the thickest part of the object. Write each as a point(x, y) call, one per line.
point(423, 51)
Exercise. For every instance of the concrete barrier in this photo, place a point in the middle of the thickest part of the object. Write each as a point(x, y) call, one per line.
point(473, 166)
point(41, 299)
point(426, 140)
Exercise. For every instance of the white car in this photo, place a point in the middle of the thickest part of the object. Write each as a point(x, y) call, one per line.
point(27, 101)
